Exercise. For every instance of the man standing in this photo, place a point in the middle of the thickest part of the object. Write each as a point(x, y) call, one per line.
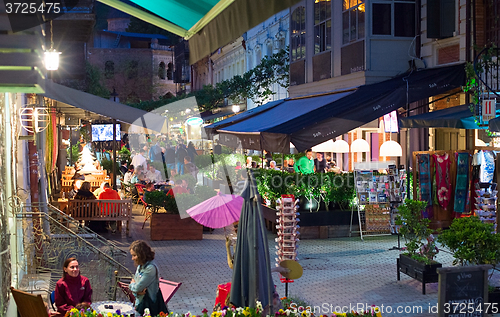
point(170, 157)
point(180, 154)
point(305, 164)
point(140, 160)
point(320, 163)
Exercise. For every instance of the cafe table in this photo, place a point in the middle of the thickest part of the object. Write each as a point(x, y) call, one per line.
point(105, 307)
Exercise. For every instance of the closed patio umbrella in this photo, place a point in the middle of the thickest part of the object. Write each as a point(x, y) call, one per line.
point(252, 265)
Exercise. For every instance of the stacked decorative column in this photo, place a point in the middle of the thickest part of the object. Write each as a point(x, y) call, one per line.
point(287, 228)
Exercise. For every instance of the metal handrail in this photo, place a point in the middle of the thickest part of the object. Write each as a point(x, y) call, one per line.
point(487, 76)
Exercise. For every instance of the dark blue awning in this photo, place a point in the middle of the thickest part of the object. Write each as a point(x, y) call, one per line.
point(312, 120)
point(459, 117)
point(212, 129)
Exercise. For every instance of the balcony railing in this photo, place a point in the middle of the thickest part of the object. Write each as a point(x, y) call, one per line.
point(46, 237)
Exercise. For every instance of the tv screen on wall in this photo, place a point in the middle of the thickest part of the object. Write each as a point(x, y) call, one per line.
point(104, 132)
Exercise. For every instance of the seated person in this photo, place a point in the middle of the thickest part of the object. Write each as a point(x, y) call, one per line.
point(272, 166)
point(73, 290)
point(150, 187)
point(127, 178)
point(108, 192)
point(178, 188)
point(238, 165)
point(249, 162)
point(141, 175)
point(153, 175)
point(100, 189)
point(84, 192)
point(77, 183)
point(170, 181)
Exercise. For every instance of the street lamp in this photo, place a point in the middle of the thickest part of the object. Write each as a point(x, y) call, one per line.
point(166, 116)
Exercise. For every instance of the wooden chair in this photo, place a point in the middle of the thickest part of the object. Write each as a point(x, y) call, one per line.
point(140, 192)
point(168, 289)
point(29, 305)
point(145, 210)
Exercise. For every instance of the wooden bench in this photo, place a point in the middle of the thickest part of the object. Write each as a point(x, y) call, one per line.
point(101, 210)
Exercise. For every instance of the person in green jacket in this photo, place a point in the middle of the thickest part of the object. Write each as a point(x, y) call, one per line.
point(305, 164)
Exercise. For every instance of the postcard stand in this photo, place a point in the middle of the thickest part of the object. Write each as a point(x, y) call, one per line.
point(287, 231)
point(377, 195)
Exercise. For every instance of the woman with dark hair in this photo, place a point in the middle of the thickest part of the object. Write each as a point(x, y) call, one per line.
point(84, 193)
point(73, 289)
point(145, 284)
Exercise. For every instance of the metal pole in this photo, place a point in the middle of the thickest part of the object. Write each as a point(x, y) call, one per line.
point(114, 155)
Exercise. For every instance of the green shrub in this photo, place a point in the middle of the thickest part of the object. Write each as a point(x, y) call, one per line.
point(472, 242)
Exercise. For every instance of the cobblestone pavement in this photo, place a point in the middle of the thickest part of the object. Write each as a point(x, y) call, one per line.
point(337, 272)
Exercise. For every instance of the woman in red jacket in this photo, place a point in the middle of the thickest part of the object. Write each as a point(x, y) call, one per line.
point(72, 289)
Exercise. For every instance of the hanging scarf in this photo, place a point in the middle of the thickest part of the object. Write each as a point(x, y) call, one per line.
point(461, 188)
point(424, 178)
point(443, 184)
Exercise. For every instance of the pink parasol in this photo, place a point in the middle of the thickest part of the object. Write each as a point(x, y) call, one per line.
point(218, 211)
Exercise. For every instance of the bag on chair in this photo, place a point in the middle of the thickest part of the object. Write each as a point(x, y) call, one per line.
point(154, 307)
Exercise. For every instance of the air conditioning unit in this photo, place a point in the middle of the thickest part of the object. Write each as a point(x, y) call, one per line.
point(72, 121)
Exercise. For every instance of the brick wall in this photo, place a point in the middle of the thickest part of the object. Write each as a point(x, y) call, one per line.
point(449, 54)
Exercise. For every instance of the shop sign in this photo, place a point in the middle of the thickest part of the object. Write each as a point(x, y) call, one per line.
point(489, 109)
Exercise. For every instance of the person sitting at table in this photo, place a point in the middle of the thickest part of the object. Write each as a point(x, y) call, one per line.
point(238, 166)
point(84, 192)
point(146, 280)
point(73, 289)
point(141, 175)
point(153, 175)
point(272, 166)
point(77, 183)
point(109, 193)
point(150, 187)
point(249, 162)
point(99, 189)
point(127, 178)
point(178, 189)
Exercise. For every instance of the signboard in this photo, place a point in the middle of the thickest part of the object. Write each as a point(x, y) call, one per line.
point(489, 109)
point(391, 122)
point(463, 291)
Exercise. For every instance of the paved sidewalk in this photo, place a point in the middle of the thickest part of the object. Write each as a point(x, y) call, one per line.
point(338, 272)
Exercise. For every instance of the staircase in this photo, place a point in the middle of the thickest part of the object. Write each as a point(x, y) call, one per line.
point(46, 237)
point(487, 71)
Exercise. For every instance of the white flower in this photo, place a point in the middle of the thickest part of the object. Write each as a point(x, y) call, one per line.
point(146, 312)
point(259, 305)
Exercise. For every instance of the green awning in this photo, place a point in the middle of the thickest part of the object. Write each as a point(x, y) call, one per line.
point(207, 24)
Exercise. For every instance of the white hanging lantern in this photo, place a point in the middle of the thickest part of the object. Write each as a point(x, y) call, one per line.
point(34, 119)
point(340, 146)
point(391, 148)
point(360, 145)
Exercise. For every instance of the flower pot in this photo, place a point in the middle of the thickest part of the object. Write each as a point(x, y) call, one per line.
point(165, 226)
point(425, 273)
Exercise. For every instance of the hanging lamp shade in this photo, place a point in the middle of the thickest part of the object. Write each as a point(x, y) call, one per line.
point(360, 145)
point(327, 146)
point(391, 148)
point(340, 146)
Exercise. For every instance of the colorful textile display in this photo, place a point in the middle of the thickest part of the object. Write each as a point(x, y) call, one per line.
point(424, 168)
point(443, 184)
point(487, 162)
point(461, 188)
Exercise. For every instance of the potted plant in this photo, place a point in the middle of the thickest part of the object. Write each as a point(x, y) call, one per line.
point(169, 225)
point(420, 246)
point(473, 242)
